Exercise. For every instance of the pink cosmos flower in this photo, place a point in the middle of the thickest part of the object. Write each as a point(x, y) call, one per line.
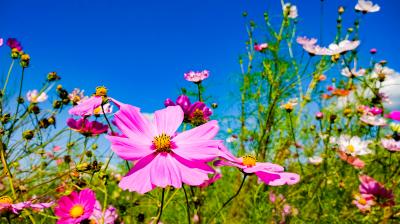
point(373, 51)
point(260, 47)
point(164, 157)
point(373, 120)
point(14, 43)
point(271, 174)
point(33, 96)
point(391, 145)
point(306, 41)
point(56, 148)
point(352, 160)
point(196, 77)
point(76, 96)
point(353, 73)
point(91, 105)
point(394, 115)
point(364, 202)
point(343, 46)
point(370, 186)
point(210, 181)
point(98, 217)
point(366, 6)
point(76, 207)
point(183, 101)
point(87, 128)
point(6, 204)
point(1, 42)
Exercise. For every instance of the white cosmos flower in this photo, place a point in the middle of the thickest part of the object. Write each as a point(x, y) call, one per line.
point(353, 72)
point(315, 160)
point(291, 10)
point(373, 120)
point(380, 70)
point(353, 146)
point(306, 41)
point(367, 6)
point(343, 46)
point(33, 96)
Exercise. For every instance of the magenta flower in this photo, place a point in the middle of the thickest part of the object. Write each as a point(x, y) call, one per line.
point(76, 207)
point(210, 181)
point(394, 115)
point(373, 51)
point(6, 204)
point(99, 217)
point(92, 105)
point(1, 42)
point(370, 186)
point(196, 114)
point(271, 174)
point(164, 157)
point(260, 47)
point(14, 43)
point(183, 101)
point(196, 77)
point(375, 111)
point(391, 145)
point(86, 127)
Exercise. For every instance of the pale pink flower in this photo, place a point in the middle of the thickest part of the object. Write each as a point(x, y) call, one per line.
point(260, 47)
point(290, 10)
point(317, 50)
point(352, 160)
point(33, 96)
point(196, 76)
point(1, 42)
point(391, 145)
point(99, 217)
point(76, 96)
point(164, 157)
point(367, 6)
point(373, 120)
point(382, 71)
point(343, 46)
point(56, 148)
point(306, 41)
point(6, 204)
point(364, 202)
point(353, 73)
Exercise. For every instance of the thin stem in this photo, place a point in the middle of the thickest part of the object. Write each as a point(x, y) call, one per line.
point(161, 207)
point(229, 200)
point(295, 142)
point(199, 91)
point(187, 204)
point(8, 76)
point(7, 169)
point(108, 122)
point(16, 111)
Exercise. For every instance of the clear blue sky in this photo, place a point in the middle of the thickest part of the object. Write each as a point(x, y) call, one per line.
point(140, 49)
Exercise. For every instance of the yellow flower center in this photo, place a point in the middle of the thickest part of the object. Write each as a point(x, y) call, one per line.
point(362, 201)
point(198, 118)
point(288, 106)
point(335, 57)
point(162, 143)
point(5, 200)
point(101, 91)
point(76, 211)
point(25, 57)
point(249, 160)
point(97, 111)
point(350, 148)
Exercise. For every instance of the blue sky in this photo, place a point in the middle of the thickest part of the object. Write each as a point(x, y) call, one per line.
point(140, 49)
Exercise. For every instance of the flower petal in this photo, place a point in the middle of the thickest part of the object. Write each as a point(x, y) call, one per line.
point(203, 132)
point(168, 120)
point(128, 149)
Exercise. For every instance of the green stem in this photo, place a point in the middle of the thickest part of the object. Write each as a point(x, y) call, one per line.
point(295, 143)
point(187, 204)
point(8, 76)
point(161, 206)
point(16, 111)
point(199, 91)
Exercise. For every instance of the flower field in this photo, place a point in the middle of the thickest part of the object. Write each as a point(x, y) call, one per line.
point(313, 137)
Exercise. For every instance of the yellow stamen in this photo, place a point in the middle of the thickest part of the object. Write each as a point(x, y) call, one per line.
point(362, 201)
point(350, 148)
point(6, 200)
point(162, 143)
point(249, 160)
point(101, 91)
point(76, 211)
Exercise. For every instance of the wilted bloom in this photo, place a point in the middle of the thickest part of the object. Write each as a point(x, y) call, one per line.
point(373, 120)
point(353, 146)
point(315, 160)
point(394, 115)
point(14, 44)
point(99, 217)
point(76, 207)
point(370, 186)
point(76, 96)
point(352, 160)
point(366, 6)
point(88, 106)
point(33, 96)
point(86, 127)
point(391, 145)
point(260, 47)
point(196, 76)
point(353, 73)
point(290, 10)
point(364, 202)
point(164, 157)
point(306, 41)
point(271, 174)
point(6, 204)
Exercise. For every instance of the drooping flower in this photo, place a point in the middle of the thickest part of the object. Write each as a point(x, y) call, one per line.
point(306, 41)
point(394, 115)
point(6, 204)
point(391, 145)
point(290, 10)
point(76, 96)
point(99, 217)
point(260, 47)
point(88, 106)
point(364, 202)
point(373, 120)
point(353, 146)
point(352, 160)
point(13, 43)
point(164, 157)
point(196, 76)
point(76, 207)
point(86, 127)
point(370, 186)
point(353, 72)
point(366, 6)
point(33, 96)
point(269, 173)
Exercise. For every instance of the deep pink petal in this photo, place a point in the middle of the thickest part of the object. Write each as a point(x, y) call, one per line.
point(164, 171)
point(168, 120)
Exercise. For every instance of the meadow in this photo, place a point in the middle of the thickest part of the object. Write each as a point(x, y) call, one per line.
point(313, 138)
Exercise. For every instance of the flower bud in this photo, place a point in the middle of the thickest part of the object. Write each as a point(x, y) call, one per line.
point(52, 76)
point(332, 118)
point(319, 115)
point(94, 146)
point(168, 102)
point(24, 60)
point(44, 123)
point(341, 10)
point(5, 118)
point(33, 108)
point(52, 120)
point(59, 87)
point(373, 51)
point(214, 105)
point(83, 167)
point(89, 153)
point(67, 159)
point(101, 91)
point(28, 134)
point(20, 100)
point(57, 104)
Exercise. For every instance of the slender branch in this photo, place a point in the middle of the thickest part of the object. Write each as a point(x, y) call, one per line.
point(161, 207)
point(187, 203)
